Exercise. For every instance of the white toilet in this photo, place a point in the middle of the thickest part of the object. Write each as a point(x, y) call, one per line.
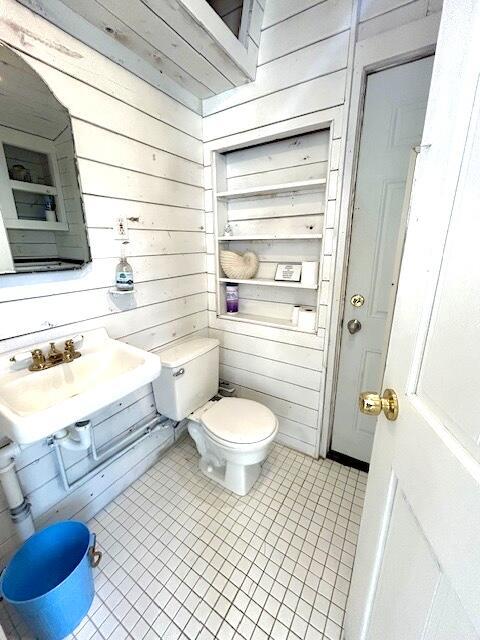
point(233, 435)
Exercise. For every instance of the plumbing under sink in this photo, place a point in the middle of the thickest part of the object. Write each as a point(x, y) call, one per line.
point(35, 404)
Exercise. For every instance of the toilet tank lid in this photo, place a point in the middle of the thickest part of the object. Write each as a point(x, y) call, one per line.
point(186, 351)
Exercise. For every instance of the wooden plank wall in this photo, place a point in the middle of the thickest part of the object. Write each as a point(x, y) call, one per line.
point(72, 244)
point(179, 46)
point(302, 76)
point(140, 154)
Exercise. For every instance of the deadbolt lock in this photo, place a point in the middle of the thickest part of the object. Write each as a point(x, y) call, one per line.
point(372, 404)
point(357, 300)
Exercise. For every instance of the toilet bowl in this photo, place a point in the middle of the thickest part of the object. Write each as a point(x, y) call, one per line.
point(233, 436)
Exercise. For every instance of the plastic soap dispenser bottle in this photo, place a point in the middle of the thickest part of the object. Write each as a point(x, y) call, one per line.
point(124, 273)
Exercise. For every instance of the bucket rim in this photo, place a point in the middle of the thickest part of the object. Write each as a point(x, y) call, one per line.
point(8, 566)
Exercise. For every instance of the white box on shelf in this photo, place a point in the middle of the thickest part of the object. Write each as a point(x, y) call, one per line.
point(309, 274)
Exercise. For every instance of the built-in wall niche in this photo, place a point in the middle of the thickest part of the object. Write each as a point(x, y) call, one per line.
point(270, 199)
point(42, 226)
point(34, 180)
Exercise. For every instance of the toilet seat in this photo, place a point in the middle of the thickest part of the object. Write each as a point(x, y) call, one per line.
point(237, 421)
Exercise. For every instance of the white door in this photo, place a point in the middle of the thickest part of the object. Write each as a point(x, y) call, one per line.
point(395, 105)
point(417, 570)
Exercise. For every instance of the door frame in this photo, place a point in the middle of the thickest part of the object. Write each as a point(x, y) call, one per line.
point(401, 45)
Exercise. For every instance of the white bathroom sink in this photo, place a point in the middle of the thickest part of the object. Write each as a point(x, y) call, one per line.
point(36, 404)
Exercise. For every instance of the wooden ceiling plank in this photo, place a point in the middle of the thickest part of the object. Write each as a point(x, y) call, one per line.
point(182, 21)
point(117, 31)
point(147, 25)
point(19, 26)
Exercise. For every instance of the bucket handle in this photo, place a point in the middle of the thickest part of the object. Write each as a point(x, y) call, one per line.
point(94, 555)
point(2, 576)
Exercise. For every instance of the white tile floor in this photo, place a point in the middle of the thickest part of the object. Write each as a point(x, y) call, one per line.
point(184, 558)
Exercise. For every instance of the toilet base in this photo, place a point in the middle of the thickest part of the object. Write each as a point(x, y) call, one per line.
point(234, 467)
point(237, 478)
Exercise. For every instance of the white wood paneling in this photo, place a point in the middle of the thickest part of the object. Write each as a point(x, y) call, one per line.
point(139, 27)
point(281, 10)
point(285, 353)
point(116, 182)
point(321, 21)
point(22, 27)
point(314, 95)
point(95, 106)
point(140, 157)
point(135, 121)
point(98, 274)
point(317, 59)
point(372, 8)
point(305, 62)
point(73, 244)
point(182, 46)
point(383, 15)
point(108, 147)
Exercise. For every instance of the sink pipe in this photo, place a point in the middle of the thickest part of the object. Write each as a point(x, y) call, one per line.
point(76, 438)
point(79, 437)
point(86, 440)
point(20, 511)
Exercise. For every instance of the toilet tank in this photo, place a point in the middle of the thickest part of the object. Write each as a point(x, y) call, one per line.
point(189, 377)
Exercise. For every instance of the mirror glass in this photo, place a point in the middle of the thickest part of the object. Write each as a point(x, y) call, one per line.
point(42, 224)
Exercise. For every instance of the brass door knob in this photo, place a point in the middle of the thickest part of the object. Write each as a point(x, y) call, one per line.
point(372, 404)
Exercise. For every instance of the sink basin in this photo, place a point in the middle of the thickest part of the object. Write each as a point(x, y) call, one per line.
point(34, 405)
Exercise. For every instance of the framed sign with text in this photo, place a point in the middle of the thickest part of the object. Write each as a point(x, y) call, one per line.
point(288, 272)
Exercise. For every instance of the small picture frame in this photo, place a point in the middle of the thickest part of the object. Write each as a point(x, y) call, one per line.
point(288, 272)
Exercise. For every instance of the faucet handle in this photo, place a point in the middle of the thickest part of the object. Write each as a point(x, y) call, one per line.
point(38, 360)
point(21, 358)
point(53, 349)
point(70, 352)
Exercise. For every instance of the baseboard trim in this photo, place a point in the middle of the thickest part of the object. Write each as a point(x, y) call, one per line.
point(347, 461)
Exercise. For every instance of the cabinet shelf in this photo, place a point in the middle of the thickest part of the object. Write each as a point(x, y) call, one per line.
point(300, 185)
point(32, 187)
point(39, 225)
point(298, 236)
point(269, 283)
point(278, 323)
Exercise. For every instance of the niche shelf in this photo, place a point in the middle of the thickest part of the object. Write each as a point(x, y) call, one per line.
point(269, 283)
point(272, 196)
point(298, 236)
point(31, 187)
point(113, 291)
point(25, 201)
point(253, 318)
point(272, 189)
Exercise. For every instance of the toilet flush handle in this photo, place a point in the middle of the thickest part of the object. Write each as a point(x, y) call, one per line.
point(178, 373)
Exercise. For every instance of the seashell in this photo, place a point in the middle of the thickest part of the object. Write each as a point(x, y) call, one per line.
point(239, 266)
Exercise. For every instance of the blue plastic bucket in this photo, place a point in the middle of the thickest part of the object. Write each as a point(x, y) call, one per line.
point(49, 580)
